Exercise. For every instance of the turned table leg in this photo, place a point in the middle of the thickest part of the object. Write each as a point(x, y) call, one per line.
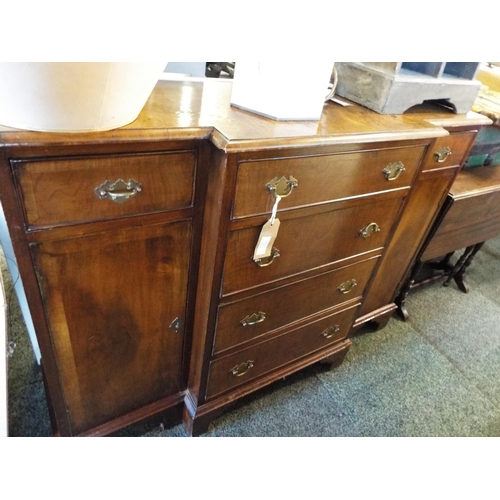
point(459, 276)
point(401, 310)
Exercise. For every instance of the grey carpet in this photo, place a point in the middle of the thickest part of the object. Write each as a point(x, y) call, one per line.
point(435, 375)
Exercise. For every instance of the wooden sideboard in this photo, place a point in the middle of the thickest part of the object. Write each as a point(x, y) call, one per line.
point(136, 247)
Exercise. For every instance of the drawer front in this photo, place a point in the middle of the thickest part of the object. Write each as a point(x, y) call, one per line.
point(308, 242)
point(450, 150)
point(61, 191)
point(322, 179)
point(241, 367)
point(245, 320)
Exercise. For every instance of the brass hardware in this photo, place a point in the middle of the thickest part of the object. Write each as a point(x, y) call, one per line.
point(267, 261)
point(282, 187)
point(254, 319)
point(330, 331)
point(241, 369)
point(119, 191)
point(368, 230)
point(176, 325)
point(393, 170)
point(347, 286)
point(442, 153)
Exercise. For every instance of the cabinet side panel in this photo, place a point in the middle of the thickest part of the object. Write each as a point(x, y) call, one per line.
point(428, 195)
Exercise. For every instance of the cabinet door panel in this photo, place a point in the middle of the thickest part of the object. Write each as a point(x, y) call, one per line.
point(110, 299)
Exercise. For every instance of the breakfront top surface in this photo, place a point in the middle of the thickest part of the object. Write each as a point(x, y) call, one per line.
point(202, 110)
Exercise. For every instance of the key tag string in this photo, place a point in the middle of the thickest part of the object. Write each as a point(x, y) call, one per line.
point(268, 233)
point(275, 210)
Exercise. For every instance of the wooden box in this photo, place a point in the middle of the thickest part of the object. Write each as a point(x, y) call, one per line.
point(393, 88)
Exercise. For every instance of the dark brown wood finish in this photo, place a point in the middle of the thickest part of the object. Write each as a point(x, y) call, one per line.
point(469, 217)
point(426, 198)
point(115, 304)
point(62, 190)
point(284, 305)
point(429, 194)
point(474, 215)
point(110, 290)
point(105, 282)
point(322, 179)
point(450, 151)
point(235, 369)
point(331, 237)
point(314, 238)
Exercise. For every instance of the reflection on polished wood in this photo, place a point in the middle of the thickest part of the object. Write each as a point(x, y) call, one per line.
point(198, 110)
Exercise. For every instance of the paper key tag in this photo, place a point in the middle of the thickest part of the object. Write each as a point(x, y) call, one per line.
point(267, 236)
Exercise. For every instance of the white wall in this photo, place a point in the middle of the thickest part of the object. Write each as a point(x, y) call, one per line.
point(196, 69)
point(6, 244)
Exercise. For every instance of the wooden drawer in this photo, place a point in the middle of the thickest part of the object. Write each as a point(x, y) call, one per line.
point(307, 242)
point(321, 178)
point(450, 150)
point(262, 358)
point(63, 190)
point(245, 320)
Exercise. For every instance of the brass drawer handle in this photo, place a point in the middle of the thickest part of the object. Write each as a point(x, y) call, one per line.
point(347, 286)
point(282, 187)
point(330, 331)
point(442, 154)
point(254, 319)
point(241, 369)
point(119, 191)
point(267, 261)
point(393, 170)
point(368, 230)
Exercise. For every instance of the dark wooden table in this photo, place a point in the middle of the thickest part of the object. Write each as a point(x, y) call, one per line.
point(469, 217)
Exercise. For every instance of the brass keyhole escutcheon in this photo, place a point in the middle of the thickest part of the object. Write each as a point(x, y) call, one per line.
point(368, 230)
point(393, 170)
point(176, 325)
point(242, 368)
point(347, 286)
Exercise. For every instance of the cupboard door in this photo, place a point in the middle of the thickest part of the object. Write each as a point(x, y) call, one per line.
point(115, 305)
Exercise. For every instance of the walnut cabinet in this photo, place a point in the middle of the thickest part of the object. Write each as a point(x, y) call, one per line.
point(110, 263)
point(136, 248)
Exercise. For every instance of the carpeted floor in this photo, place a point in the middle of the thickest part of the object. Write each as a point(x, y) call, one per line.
point(435, 375)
